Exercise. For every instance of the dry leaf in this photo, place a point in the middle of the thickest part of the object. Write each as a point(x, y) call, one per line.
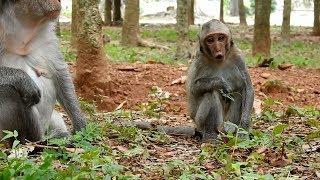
point(257, 104)
point(261, 150)
point(122, 149)
point(265, 75)
point(281, 162)
point(120, 105)
point(181, 80)
point(285, 66)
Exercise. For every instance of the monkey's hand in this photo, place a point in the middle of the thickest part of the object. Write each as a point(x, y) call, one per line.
point(30, 92)
point(226, 87)
point(22, 82)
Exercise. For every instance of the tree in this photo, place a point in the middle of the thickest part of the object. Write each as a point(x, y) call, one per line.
point(191, 12)
point(285, 28)
point(107, 12)
point(234, 8)
point(182, 28)
point(242, 13)
point(316, 20)
point(130, 29)
point(90, 64)
point(117, 20)
point(74, 23)
point(221, 11)
point(261, 37)
point(58, 30)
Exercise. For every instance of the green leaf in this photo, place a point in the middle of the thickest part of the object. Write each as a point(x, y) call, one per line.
point(15, 144)
point(279, 129)
point(9, 134)
point(313, 123)
point(15, 133)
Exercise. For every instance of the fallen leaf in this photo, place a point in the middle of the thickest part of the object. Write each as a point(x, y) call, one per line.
point(261, 150)
point(257, 104)
point(76, 150)
point(120, 105)
point(122, 149)
point(281, 162)
point(300, 90)
point(183, 68)
point(265, 75)
point(181, 80)
point(285, 66)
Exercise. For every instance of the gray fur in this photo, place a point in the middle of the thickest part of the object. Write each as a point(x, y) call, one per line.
point(208, 81)
point(42, 53)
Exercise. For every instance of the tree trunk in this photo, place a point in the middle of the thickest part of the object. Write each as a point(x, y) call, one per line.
point(58, 30)
point(285, 28)
point(221, 11)
point(117, 20)
point(234, 8)
point(182, 28)
point(107, 12)
point(316, 20)
point(261, 36)
point(91, 62)
point(74, 23)
point(130, 29)
point(191, 11)
point(242, 13)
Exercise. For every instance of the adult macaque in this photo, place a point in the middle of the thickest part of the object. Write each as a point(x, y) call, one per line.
point(33, 74)
point(219, 87)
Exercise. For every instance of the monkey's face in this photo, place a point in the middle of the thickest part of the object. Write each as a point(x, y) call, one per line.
point(215, 46)
point(37, 9)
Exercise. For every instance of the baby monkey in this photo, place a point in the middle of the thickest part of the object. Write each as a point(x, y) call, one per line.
point(219, 87)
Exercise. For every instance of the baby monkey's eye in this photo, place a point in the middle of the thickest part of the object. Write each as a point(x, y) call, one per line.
point(210, 40)
point(221, 38)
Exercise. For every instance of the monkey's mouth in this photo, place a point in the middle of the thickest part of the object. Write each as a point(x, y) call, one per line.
point(219, 57)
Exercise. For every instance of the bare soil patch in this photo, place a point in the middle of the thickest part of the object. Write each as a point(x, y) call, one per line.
point(131, 83)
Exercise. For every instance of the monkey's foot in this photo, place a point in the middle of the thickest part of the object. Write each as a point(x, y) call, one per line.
point(210, 138)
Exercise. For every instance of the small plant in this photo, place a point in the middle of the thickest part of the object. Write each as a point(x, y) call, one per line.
point(156, 103)
point(11, 135)
point(268, 112)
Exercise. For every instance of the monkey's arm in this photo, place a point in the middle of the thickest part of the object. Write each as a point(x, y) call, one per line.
point(247, 96)
point(66, 95)
point(22, 82)
point(207, 84)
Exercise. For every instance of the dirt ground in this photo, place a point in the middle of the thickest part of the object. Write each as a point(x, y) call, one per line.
point(131, 84)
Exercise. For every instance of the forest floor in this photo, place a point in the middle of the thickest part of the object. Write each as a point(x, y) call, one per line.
point(148, 90)
point(294, 87)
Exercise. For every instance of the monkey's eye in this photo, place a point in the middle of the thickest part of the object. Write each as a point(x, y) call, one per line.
point(210, 40)
point(221, 38)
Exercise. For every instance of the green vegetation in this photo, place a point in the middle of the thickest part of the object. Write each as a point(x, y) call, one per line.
point(300, 52)
point(109, 151)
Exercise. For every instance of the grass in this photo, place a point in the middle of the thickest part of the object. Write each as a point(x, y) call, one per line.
point(110, 151)
point(300, 53)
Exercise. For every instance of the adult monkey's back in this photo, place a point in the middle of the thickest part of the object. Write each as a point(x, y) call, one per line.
point(30, 60)
point(219, 87)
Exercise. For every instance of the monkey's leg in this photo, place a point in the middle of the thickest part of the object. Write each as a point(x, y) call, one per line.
point(209, 117)
point(57, 127)
point(15, 115)
point(233, 115)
